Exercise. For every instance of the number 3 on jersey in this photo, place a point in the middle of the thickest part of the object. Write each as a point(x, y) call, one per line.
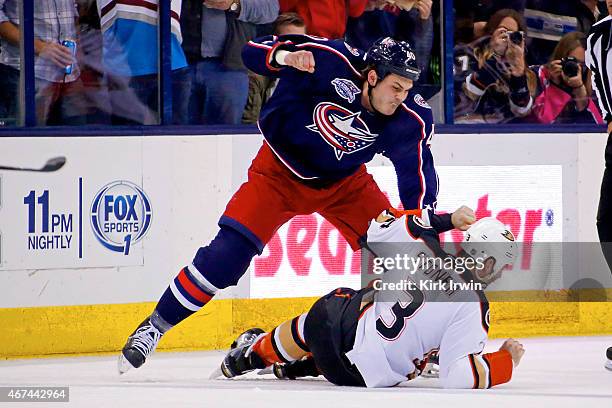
point(402, 311)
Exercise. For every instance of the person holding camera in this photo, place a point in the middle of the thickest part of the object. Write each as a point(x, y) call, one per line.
point(493, 82)
point(564, 90)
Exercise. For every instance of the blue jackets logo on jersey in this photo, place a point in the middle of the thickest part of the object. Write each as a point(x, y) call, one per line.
point(342, 129)
point(346, 89)
point(352, 50)
point(418, 99)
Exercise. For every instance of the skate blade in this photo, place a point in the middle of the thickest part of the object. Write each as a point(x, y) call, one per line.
point(123, 365)
point(265, 371)
point(216, 374)
point(608, 365)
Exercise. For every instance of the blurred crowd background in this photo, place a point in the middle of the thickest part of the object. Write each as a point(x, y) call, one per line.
point(96, 61)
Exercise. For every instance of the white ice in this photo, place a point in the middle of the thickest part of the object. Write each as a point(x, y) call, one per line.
point(555, 372)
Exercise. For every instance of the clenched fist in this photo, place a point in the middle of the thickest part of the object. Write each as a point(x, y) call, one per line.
point(301, 60)
point(515, 349)
point(463, 218)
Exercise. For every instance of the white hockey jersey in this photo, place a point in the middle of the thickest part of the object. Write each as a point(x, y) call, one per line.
point(396, 333)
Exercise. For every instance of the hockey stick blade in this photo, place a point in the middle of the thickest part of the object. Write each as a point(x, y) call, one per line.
point(53, 164)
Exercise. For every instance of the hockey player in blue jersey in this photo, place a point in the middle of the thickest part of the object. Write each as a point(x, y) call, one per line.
point(334, 108)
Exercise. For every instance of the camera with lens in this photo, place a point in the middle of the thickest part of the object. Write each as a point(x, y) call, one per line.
point(516, 37)
point(569, 66)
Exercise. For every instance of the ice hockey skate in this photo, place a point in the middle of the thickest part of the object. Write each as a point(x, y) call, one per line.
point(139, 346)
point(240, 360)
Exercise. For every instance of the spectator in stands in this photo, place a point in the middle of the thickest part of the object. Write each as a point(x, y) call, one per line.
point(564, 85)
point(548, 21)
point(471, 16)
point(95, 100)
point(493, 83)
point(588, 13)
point(57, 92)
point(261, 87)
point(383, 18)
point(130, 54)
point(325, 18)
point(214, 33)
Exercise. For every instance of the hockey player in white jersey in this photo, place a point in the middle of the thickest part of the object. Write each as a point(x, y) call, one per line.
point(379, 338)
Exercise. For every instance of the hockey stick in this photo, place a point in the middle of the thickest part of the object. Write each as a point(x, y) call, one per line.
point(53, 164)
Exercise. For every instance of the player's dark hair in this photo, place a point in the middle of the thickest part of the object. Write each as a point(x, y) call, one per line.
point(364, 71)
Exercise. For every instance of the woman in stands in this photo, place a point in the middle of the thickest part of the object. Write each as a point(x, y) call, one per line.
point(564, 85)
point(493, 83)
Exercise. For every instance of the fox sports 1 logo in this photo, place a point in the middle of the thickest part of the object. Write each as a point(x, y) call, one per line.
point(120, 215)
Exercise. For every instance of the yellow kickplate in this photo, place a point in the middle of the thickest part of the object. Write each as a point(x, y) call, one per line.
point(99, 329)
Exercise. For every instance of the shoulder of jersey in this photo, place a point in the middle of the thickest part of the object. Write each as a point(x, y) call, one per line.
point(416, 102)
point(354, 55)
point(415, 107)
point(347, 55)
point(602, 23)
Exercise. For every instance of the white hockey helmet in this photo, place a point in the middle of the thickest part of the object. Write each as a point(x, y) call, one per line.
point(489, 238)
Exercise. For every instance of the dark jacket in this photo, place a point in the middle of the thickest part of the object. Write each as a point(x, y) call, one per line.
point(238, 34)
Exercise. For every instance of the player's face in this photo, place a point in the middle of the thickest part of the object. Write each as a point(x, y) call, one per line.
point(390, 93)
point(609, 6)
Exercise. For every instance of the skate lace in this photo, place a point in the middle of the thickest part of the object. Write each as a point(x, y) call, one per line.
point(145, 339)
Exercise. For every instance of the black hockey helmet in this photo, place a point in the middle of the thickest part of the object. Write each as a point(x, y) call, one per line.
point(389, 56)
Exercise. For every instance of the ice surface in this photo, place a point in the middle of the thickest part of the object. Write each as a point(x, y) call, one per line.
point(555, 372)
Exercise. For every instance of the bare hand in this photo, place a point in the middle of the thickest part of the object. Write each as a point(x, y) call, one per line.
point(515, 349)
point(54, 52)
point(499, 41)
point(424, 8)
point(218, 4)
point(463, 218)
point(376, 5)
point(575, 81)
point(515, 56)
point(555, 71)
point(301, 60)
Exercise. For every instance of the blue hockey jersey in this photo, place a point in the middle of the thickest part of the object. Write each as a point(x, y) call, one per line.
point(316, 125)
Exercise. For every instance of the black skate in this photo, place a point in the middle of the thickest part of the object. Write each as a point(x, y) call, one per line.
point(139, 346)
point(609, 356)
point(240, 360)
point(295, 369)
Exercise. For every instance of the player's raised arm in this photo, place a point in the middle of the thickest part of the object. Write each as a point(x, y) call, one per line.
point(271, 55)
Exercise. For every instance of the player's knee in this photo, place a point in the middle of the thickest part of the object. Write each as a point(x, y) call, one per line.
point(226, 258)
